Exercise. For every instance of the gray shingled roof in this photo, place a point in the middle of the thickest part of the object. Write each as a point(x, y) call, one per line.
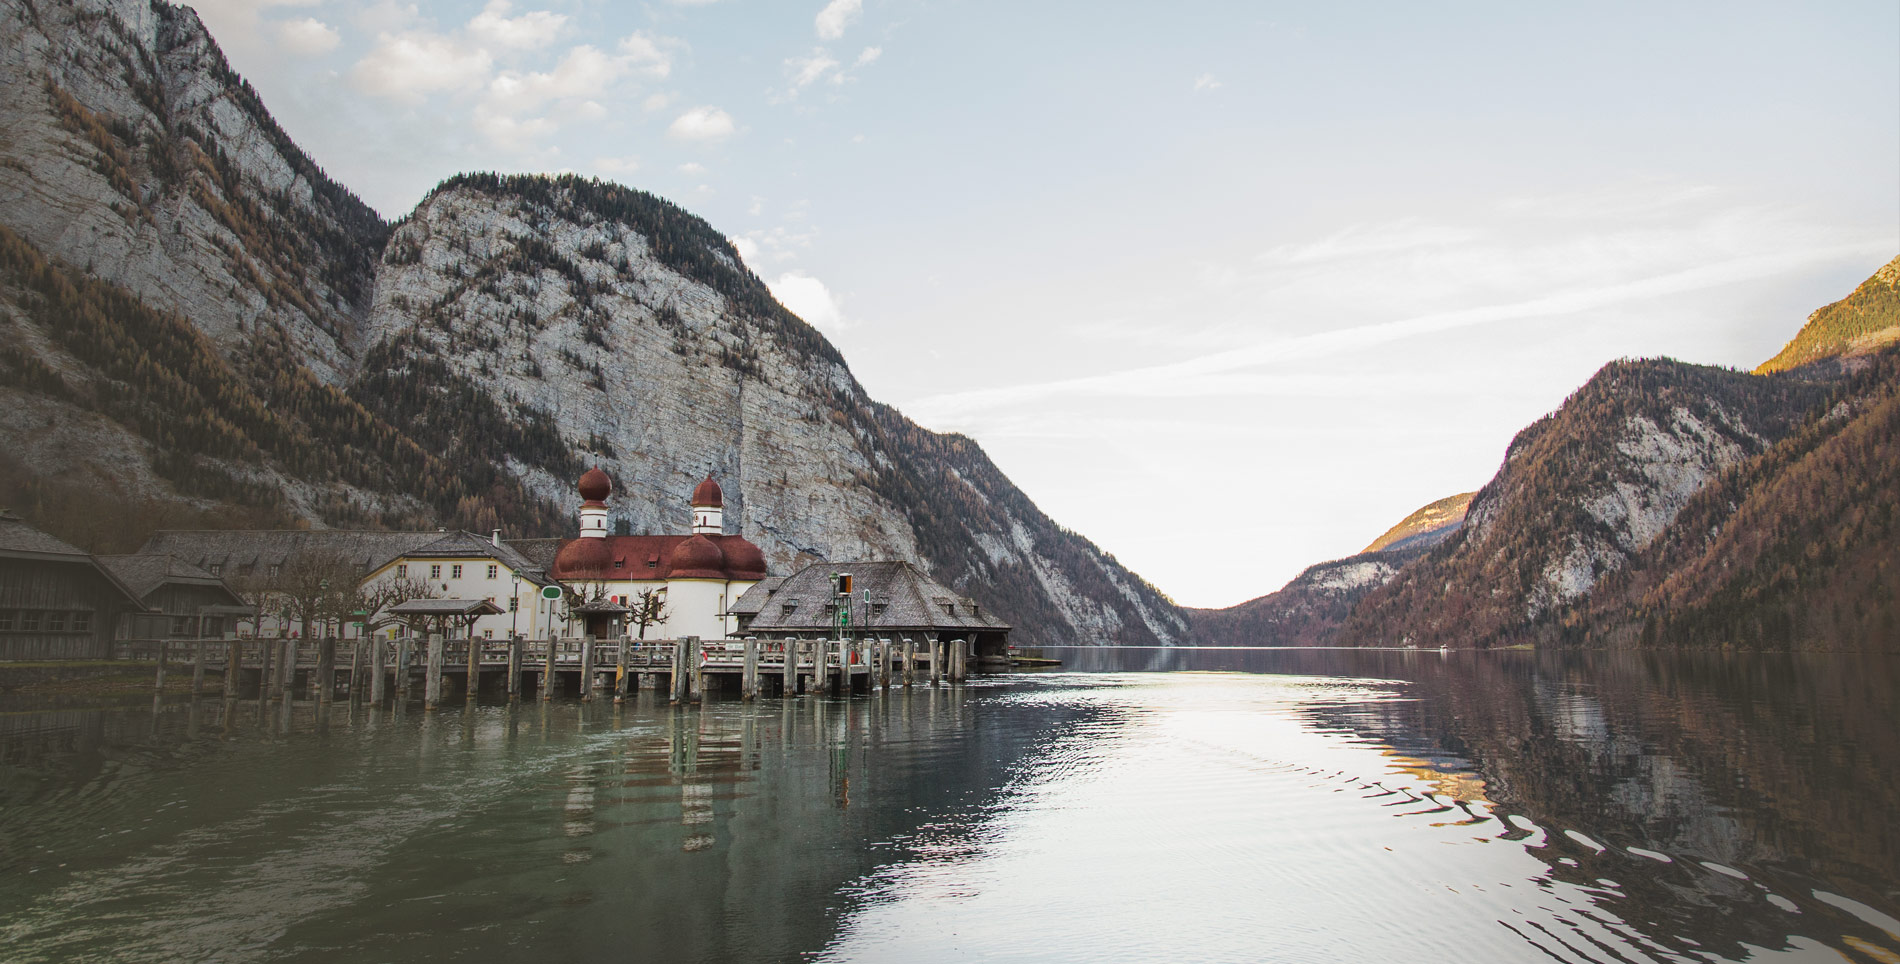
point(753, 600)
point(145, 572)
point(243, 552)
point(900, 597)
point(445, 607)
point(19, 539)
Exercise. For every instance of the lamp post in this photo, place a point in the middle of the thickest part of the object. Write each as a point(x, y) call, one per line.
point(514, 603)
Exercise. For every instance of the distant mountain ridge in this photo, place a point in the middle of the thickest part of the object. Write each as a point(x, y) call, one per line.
point(202, 328)
point(1427, 526)
point(1865, 321)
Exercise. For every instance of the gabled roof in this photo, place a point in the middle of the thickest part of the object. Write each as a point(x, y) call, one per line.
point(445, 607)
point(462, 544)
point(753, 599)
point(21, 541)
point(146, 572)
point(240, 552)
point(886, 596)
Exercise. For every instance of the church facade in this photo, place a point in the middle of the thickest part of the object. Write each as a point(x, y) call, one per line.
point(698, 575)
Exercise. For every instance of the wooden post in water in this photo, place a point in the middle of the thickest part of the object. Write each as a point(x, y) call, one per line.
point(432, 680)
point(677, 684)
point(514, 667)
point(695, 669)
point(357, 663)
point(749, 670)
point(936, 653)
point(959, 661)
point(233, 667)
point(265, 648)
point(378, 686)
point(910, 658)
point(405, 654)
point(324, 686)
point(547, 673)
point(788, 671)
point(621, 683)
point(158, 684)
point(587, 669)
point(197, 668)
point(474, 663)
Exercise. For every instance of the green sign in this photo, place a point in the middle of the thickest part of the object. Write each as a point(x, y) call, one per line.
point(550, 592)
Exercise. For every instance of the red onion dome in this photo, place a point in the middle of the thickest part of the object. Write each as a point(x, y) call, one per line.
point(698, 558)
point(707, 494)
point(742, 558)
point(583, 555)
point(595, 486)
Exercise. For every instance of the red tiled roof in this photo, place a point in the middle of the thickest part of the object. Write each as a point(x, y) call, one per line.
point(651, 557)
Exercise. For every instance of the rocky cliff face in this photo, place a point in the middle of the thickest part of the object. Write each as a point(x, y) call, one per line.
point(1581, 493)
point(185, 290)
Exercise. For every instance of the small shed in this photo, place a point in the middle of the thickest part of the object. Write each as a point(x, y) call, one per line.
point(56, 602)
point(452, 618)
point(180, 599)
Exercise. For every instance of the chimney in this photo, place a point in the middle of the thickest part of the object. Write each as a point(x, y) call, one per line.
point(495, 537)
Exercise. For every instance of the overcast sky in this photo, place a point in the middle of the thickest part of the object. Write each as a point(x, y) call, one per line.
point(1228, 288)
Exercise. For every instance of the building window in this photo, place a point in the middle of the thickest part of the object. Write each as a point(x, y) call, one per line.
point(514, 603)
point(435, 571)
point(877, 609)
point(6, 620)
point(181, 625)
point(275, 570)
point(949, 609)
point(455, 571)
point(488, 634)
point(216, 568)
point(29, 620)
point(82, 622)
point(788, 608)
point(402, 570)
point(493, 570)
point(55, 621)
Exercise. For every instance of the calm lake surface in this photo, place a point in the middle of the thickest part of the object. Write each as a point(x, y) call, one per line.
point(1137, 805)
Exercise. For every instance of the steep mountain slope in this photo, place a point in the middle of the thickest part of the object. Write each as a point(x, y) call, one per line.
point(590, 320)
point(1307, 611)
point(130, 150)
point(1428, 526)
point(1862, 322)
point(1797, 548)
point(1581, 492)
point(199, 325)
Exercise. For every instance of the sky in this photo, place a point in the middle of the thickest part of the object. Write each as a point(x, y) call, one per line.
point(1228, 288)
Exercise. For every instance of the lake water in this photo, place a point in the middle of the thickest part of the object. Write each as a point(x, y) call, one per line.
point(1137, 805)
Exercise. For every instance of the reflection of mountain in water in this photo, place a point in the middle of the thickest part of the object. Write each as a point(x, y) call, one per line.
point(1721, 795)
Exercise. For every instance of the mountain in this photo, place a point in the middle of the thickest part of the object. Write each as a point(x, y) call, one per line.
point(199, 325)
point(1309, 610)
point(1426, 527)
point(1864, 321)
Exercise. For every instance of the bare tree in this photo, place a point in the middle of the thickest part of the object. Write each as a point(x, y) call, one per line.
point(647, 607)
point(375, 599)
point(317, 586)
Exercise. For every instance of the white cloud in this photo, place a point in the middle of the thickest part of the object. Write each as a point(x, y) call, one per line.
point(649, 55)
point(702, 124)
point(308, 37)
point(617, 165)
point(870, 55)
point(837, 15)
point(511, 132)
point(533, 29)
point(807, 70)
point(692, 167)
point(808, 298)
point(410, 65)
point(584, 72)
point(1206, 82)
point(657, 101)
point(748, 249)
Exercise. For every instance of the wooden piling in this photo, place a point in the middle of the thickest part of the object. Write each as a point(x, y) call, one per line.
point(936, 653)
point(323, 683)
point(677, 684)
point(547, 673)
point(881, 664)
point(378, 686)
point(432, 681)
point(910, 659)
point(358, 661)
point(266, 651)
point(514, 667)
point(587, 669)
point(197, 668)
point(788, 671)
point(233, 666)
point(405, 655)
point(287, 668)
point(959, 662)
point(749, 670)
point(695, 669)
point(621, 683)
point(474, 664)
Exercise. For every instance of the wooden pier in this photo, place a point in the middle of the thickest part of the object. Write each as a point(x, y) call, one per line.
point(582, 666)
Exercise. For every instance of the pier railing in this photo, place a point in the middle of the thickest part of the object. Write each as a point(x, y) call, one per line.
point(358, 668)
